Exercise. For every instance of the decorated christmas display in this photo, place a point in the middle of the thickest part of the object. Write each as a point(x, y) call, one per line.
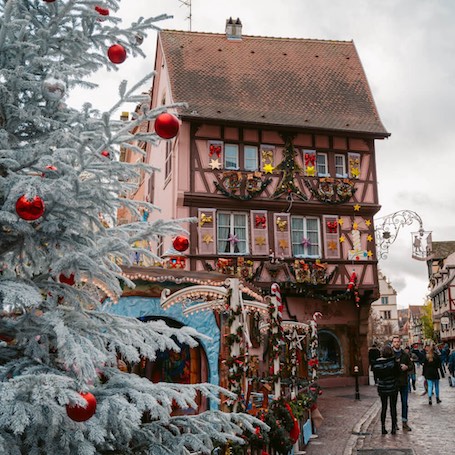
point(65, 380)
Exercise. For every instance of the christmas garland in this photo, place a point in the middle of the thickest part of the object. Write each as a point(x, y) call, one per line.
point(251, 194)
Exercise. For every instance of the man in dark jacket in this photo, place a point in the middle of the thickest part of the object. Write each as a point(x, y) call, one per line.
point(373, 354)
point(404, 362)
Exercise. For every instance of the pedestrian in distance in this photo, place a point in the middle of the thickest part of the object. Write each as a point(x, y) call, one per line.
point(412, 370)
point(431, 368)
point(387, 371)
point(404, 362)
point(373, 354)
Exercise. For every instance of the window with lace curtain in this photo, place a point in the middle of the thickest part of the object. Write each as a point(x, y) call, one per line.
point(232, 233)
point(305, 235)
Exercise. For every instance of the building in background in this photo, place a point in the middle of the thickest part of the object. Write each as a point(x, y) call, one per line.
point(416, 336)
point(403, 324)
point(441, 276)
point(384, 312)
point(275, 158)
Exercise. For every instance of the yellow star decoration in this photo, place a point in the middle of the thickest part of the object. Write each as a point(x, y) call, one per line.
point(370, 253)
point(342, 239)
point(357, 208)
point(260, 241)
point(355, 226)
point(370, 238)
point(311, 171)
point(368, 223)
point(283, 244)
point(215, 164)
point(341, 221)
point(332, 245)
point(268, 168)
point(355, 171)
point(207, 239)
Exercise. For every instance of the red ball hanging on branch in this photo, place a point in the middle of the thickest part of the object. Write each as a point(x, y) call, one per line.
point(116, 53)
point(80, 413)
point(106, 154)
point(30, 209)
point(181, 243)
point(49, 1)
point(167, 125)
point(102, 11)
point(67, 279)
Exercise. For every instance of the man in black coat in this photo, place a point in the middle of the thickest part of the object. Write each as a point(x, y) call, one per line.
point(404, 362)
point(373, 354)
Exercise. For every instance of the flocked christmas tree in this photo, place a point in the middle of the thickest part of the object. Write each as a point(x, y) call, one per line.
point(61, 391)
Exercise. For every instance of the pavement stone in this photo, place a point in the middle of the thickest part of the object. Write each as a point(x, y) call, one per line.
point(352, 427)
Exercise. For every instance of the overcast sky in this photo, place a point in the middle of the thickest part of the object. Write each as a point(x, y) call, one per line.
point(407, 48)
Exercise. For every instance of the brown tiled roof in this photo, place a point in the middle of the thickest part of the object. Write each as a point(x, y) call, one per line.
point(293, 82)
point(415, 310)
point(442, 249)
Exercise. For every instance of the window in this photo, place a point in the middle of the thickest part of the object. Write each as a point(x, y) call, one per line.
point(386, 314)
point(231, 156)
point(305, 236)
point(329, 353)
point(385, 300)
point(340, 166)
point(160, 246)
point(321, 164)
point(251, 158)
point(232, 233)
point(168, 162)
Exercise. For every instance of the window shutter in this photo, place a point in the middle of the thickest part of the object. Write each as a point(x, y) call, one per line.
point(259, 232)
point(331, 237)
point(309, 163)
point(267, 156)
point(207, 231)
point(354, 165)
point(282, 230)
point(215, 149)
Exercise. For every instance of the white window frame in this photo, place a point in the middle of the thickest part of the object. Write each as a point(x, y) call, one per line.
point(247, 159)
point(344, 173)
point(304, 233)
point(324, 164)
point(384, 300)
point(227, 155)
point(221, 241)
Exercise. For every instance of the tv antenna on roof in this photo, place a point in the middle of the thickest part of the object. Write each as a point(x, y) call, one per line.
point(188, 4)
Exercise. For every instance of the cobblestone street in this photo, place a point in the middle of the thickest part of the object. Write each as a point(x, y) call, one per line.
point(352, 427)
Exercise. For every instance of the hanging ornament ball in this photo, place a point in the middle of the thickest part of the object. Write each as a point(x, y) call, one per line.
point(167, 125)
point(102, 11)
point(180, 243)
point(116, 53)
point(49, 1)
point(79, 413)
point(53, 89)
point(106, 154)
point(30, 209)
point(67, 279)
point(139, 39)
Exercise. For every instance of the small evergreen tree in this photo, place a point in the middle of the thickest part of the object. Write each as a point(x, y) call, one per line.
point(59, 183)
point(427, 321)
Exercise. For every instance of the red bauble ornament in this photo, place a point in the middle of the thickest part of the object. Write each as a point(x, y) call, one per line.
point(116, 53)
point(102, 11)
point(79, 413)
point(67, 279)
point(49, 1)
point(106, 154)
point(181, 243)
point(167, 125)
point(30, 209)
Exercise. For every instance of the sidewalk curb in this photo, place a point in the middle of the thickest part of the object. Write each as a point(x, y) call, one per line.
point(361, 426)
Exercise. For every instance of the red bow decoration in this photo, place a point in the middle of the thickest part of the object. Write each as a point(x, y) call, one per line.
point(215, 149)
point(260, 221)
point(332, 227)
point(313, 362)
point(310, 159)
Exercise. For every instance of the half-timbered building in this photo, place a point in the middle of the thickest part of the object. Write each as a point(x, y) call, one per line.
point(275, 160)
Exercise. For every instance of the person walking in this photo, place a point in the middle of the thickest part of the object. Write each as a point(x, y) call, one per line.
point(404, 362)
point(373, 354)
point(412, 370)
point(387, 372)
point(431, 368)
point(451, 366)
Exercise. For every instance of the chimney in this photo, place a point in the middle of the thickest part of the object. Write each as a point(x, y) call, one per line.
point(233, 29)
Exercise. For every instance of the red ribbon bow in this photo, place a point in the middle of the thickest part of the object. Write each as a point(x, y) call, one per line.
point(260, 221)
point(332, 227)
point(310, 159)
point(215, 149)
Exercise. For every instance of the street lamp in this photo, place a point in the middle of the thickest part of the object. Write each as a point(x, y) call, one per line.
point(386, 232)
